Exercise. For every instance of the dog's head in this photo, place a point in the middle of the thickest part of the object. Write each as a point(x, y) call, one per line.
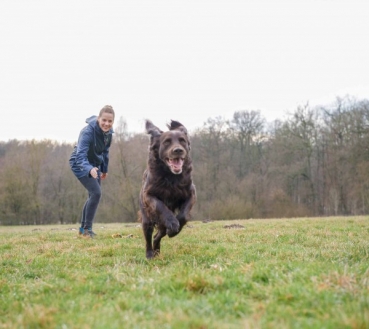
point(172, 147)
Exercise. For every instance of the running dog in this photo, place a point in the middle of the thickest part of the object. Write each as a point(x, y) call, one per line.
point(168, 193)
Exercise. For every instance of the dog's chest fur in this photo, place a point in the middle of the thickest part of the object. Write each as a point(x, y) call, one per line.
point(173, 190)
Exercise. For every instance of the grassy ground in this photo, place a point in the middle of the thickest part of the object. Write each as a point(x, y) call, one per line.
point(287, 273)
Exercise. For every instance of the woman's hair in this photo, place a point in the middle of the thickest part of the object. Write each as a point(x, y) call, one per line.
point(107, 109)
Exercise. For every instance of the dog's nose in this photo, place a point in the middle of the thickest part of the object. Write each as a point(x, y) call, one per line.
point(178, 150)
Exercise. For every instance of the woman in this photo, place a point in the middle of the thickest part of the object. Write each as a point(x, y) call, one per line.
point(89, 162)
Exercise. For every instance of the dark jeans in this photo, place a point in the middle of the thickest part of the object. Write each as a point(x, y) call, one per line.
point(93, 187)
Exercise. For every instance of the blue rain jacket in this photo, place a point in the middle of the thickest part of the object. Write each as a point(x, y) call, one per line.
point(92, 149)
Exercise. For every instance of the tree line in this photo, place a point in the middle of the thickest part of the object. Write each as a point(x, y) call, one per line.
point(313, 163)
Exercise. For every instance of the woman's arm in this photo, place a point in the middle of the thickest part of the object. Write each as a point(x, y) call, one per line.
point(84, 141)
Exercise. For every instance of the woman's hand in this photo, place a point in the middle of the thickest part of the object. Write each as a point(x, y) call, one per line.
point(93, 172)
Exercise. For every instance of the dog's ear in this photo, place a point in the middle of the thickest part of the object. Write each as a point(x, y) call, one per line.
point(176, 125)
point(152, 130)
point(155, 133)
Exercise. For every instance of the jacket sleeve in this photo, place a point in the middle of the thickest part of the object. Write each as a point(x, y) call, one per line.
point(84, 140)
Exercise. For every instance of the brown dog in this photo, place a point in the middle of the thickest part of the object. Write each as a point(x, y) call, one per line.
point(167, 194)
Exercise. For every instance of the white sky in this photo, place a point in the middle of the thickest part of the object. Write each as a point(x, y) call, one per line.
point(62, 61)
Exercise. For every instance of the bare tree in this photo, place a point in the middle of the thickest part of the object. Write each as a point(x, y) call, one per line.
point(247, 128)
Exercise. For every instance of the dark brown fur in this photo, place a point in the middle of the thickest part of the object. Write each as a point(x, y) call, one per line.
point(167, 194)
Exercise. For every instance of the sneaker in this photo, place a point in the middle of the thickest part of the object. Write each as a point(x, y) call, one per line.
point(89, 234)
point(81, 231)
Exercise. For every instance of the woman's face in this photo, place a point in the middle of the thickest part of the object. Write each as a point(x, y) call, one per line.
point(106, 121)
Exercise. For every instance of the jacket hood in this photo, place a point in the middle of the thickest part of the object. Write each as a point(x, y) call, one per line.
point(91, 120)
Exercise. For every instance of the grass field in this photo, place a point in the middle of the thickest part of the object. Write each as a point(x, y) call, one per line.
point(286, 273)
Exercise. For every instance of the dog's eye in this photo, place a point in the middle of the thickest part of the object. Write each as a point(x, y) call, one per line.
point(182, 141)
point(167, 141)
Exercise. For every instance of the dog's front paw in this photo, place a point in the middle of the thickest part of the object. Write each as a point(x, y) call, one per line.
point(182, 218)
point(172, 228)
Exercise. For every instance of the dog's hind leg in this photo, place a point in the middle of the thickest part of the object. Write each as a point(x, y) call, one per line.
point(148, 229)
point(157, 238)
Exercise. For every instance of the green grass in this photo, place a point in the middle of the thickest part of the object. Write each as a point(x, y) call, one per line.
point(286, 273)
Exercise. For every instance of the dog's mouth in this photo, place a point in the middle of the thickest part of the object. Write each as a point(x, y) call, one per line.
point(175, 165)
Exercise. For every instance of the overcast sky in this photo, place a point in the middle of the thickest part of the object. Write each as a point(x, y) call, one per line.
point(62, 61)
